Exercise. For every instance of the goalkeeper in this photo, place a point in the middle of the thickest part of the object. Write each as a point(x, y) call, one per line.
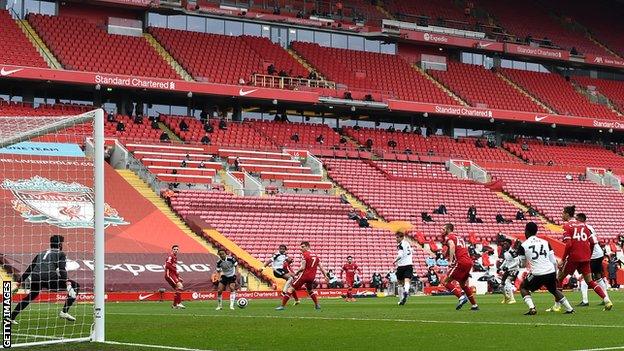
point(47, 271)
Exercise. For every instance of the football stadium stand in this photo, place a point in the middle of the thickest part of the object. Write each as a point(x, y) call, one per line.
point(15, 49)
point(83, 46)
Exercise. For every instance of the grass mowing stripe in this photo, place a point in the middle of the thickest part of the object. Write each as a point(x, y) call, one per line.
point(394, 320)
point(152, 346)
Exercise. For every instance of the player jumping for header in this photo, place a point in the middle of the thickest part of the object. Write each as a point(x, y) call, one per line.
point(47, 271)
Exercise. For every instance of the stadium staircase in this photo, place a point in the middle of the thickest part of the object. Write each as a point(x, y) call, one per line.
point(605, 47)
point(172, 135)
point(441, 86)
point(168, 58)
point(38, 43)
point(304, 63)
point(142, 188)
point(524, 92)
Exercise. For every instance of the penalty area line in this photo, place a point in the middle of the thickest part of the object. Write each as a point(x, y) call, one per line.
point(603, 348)
point(394, 320)
point(162, 347)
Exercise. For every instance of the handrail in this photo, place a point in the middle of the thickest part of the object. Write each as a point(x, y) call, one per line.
point(34, 39)
point(267, 81)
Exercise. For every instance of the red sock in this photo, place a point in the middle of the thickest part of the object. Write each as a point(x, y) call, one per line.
point(285, 298)
point(454, 288)
point(178, 298)
point(294, 295)
point(349, 293)
point(314, 298)
point(597, 288)
point(468, 292)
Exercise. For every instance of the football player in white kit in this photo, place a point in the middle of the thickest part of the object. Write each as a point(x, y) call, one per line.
point(541, 258)
point(595, 264)
point(510, 268)
point(280, 264)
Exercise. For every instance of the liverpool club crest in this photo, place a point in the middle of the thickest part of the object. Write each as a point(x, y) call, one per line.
point(65, 205)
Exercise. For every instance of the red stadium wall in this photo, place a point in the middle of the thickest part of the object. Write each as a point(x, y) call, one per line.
point(138, 238)
point(96, 14)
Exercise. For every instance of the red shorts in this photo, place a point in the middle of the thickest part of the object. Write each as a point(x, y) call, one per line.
point(349, 282)
point(173, 281)
point(460, 271)
point(302, 281)
point(583, 267)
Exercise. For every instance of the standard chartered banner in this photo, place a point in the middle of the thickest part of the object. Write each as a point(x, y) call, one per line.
point(43, 149)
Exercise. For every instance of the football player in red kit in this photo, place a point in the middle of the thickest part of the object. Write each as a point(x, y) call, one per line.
point(460, 265)
point(172, 277)
point(577, 254)
point(305, 276)
point(350, 268)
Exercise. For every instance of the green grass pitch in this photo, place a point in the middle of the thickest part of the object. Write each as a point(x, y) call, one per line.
point(425, 323)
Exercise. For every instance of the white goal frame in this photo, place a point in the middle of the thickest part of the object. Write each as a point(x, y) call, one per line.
point(97, 117)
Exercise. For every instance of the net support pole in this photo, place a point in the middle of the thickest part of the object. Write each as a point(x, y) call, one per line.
point(98, 287)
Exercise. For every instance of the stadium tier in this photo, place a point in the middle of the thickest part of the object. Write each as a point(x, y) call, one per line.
point(612, 89)
point(433, 148)
point(316, 136)
point(15, 49)
point(540, 26)
point(406, 197)
point(231, 134)
point(84, 46)
point(446, 12)
point(581, 155)
point(226, 59)
point(481, 87)
point(260, 225)
point(384, 74)
point(555, 191)
point(558, 94)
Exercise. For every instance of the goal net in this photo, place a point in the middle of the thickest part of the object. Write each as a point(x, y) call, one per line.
point(52, 211)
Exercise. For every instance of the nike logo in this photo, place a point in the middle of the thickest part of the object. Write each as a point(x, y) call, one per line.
point(540, 118)
point(143, 297)
point(481, 45)
point(243, 93)
point(259, 15)
point(4, 72)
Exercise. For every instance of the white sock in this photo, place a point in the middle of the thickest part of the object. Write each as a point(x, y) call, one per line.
point(584, 290)
point(406, 288)
point(603, 282)
point(529, 301)
point(287, 285)
point(400, 291)
point(566, 304)
point(232, 298)
point(509, 290)
point(219, 300)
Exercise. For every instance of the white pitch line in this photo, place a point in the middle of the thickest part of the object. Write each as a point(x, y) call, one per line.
point(424, 321)
point(153, 346)
point(603, 348)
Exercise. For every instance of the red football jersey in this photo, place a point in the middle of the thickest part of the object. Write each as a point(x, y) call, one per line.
point(579, 241)
point(311, 264)
point(461, 251)
point(171, 269)
point(350, 269)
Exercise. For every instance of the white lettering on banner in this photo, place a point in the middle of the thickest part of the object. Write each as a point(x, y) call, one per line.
point(539, 52)
point(605, 124)
point(136, 269)
point(134, 82)
point(463, 111)
point(435, 38)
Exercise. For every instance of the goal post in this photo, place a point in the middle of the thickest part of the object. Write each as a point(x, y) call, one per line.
point(48, 187)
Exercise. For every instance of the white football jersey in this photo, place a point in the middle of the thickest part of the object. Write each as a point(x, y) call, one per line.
point(278, 260)
point(598, 252)
point(404, 254)
point(538, 253)
point(511, 261)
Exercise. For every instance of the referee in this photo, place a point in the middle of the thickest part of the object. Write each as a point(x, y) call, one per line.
point(47, 271)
